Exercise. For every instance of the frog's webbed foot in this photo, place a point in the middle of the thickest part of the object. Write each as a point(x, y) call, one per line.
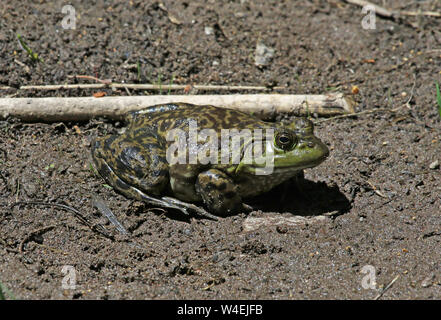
point(172, 203)
point(247, 207)
point(184, 206)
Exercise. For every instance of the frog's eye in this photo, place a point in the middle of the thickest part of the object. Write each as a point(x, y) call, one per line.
point(285, 140)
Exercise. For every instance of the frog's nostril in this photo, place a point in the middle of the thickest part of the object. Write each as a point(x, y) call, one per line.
point(311, 144)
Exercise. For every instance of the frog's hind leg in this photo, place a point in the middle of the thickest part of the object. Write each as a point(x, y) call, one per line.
point(165, 202)
point(135, 160)
point(142, 170)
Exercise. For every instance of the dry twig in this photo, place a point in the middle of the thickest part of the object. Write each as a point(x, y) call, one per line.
point(395, 15)
point(386, 288)
point(360, 113)
point(378, 10)
point(97, 228)
point(172, 87)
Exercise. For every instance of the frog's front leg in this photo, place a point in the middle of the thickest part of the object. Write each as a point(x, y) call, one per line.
point(219, 193)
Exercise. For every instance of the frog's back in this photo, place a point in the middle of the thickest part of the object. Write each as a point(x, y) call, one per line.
point(177, 115)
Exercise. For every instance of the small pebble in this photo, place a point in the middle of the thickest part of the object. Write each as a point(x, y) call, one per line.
point(434, 165)
point(263, 54)
point(427, 282)
point(209, 30)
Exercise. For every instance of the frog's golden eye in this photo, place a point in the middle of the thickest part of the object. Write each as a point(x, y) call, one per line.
point(285, 140)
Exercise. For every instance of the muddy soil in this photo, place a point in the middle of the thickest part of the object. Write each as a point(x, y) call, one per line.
point(379, 190)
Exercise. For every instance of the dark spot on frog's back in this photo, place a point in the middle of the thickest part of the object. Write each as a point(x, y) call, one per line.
point(132, 153)
point(165, 124)
point(159, 173)
point(203, 122)
point(211, 186)
point(159, 160)
point(181, 122)
point(96, 146)
point(230, 194)
point(222, 186)
point(106, 142)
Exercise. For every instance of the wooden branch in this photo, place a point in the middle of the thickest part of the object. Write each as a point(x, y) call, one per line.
point(264, 106)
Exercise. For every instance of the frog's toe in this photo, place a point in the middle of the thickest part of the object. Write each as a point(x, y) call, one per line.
point(247, 207)
point(184, 206)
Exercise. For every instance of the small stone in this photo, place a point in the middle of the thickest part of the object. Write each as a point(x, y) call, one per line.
point(427, 282)
point(209, 31)
point(30, 189)
point(263, 54)
point(434, 165)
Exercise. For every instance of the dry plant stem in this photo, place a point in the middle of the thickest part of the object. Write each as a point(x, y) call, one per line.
point(378, 10)
point(105, 211)
point(91, 78)
point(386, 288)
point(422, 13)
point(97, 228)
point(360, 113)
point(104, 84)
point(392, 14)
point(264, 106)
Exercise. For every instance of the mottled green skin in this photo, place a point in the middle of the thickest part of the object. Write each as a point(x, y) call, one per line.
point(135, 162)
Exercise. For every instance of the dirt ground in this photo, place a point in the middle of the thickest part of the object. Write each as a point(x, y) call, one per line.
point(381, 182)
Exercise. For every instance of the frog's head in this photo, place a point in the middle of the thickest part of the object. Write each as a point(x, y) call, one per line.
point(286, 149)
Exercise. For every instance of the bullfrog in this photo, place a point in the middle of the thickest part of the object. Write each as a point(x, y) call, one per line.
point(203, 159)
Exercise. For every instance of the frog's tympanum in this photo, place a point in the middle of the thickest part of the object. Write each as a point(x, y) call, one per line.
point(176, 155)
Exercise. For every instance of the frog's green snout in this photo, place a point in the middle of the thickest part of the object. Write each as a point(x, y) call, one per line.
point(321, 148)
point(317, 148)
point(312, 151)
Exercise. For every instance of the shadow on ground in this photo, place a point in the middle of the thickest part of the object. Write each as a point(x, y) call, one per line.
point(305, 198)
